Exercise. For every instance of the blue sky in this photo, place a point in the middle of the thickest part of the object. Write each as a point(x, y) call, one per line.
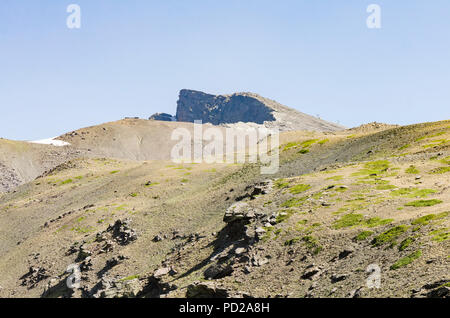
point(130, 58)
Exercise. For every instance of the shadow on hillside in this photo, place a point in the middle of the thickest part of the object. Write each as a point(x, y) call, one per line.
point(231, 237)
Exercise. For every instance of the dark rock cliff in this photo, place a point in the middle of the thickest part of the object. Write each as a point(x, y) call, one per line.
point(221, 109)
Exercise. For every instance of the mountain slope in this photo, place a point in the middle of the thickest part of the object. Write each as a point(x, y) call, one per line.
point(340, 203)
point(21, 162)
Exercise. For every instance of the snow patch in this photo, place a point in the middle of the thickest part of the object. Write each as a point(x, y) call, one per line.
point(51, 141)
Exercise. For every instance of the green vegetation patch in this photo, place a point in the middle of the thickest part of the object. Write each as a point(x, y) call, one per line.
point(363, 235)
point(368, 180)
point(440, 235)
point(376, 221)
point(404, 147)
point(406, 260)
point(423, 203)
point(336, 178)
point(290, 145)
point(281, 184)
point(308, 143)
point(312, 243)
point(440, 170)
point(434, 143)
point(426, 219)
point(413, 192)
point(352, 219)
point(303, 151)
point(412, 170)
point(129, 278)
point(389, 236)
point(380, 165)
point(405, 243)
point(299, 188)
point(67, 181)
point(431, 136)
point(374, 168)
point(291, 241)
point(385, 187)
point(349, 220)
point(269, 230)
point(445, 161)
point(294, 202)
point(284, 215)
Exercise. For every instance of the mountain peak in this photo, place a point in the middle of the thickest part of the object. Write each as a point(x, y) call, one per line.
point(245, 107)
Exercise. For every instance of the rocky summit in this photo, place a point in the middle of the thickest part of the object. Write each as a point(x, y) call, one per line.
point(248, 108)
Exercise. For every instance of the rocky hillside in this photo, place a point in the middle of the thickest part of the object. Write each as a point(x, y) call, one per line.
point(343, 208)
point(243, 108)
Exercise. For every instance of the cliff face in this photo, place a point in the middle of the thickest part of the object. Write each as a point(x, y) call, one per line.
point(221, 109)
point(246, 108)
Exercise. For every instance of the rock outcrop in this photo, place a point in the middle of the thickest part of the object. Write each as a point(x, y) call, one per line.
point(221, 109)
point(245, 108)
point(162, 117)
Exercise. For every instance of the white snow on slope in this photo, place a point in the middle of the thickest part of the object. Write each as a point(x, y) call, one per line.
point(51, 141)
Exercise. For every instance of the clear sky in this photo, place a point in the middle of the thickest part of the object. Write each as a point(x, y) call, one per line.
point(130, 58)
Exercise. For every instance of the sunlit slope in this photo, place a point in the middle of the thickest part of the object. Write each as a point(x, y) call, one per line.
point(339, 203)
point(22, 162)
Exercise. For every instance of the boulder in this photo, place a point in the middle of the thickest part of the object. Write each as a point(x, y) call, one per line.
point(240, 211)
point(338, 277)
point(34, 276)
point(160, 272)
point(122, 233)
point(440, 292)
point(311, 272)
point(217, 271)
point(119, 288)
point(206, 290)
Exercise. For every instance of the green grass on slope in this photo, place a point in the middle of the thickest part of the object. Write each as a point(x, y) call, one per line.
point(352, 219)
point(389, 236)
point(426, 219)
point(412, 170)
point(406, 260)
point(423, 203)
point(413, 192)
point(299, 188)
point(374, 168)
